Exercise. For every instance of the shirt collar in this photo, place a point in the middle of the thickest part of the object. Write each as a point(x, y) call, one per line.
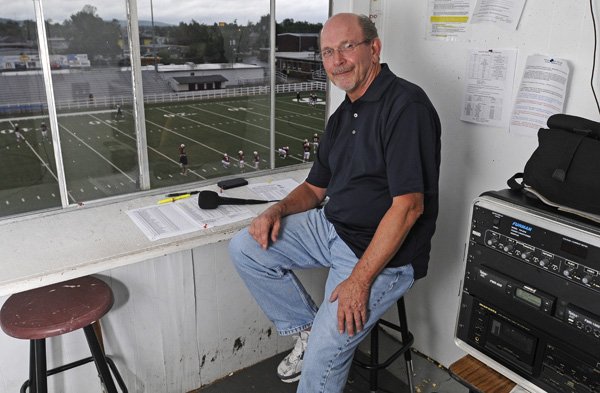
point(377, 88)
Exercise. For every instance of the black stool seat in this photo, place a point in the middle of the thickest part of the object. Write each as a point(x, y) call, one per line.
point(57, 309)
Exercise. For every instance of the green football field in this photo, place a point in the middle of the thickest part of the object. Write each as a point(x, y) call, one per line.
point(99, 147)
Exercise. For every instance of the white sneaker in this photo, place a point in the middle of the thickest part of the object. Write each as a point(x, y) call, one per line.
point(291, 366)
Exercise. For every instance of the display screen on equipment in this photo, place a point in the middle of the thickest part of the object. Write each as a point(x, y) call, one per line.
point(528, 297)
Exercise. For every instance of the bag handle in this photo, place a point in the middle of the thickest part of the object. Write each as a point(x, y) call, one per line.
point(514, 184)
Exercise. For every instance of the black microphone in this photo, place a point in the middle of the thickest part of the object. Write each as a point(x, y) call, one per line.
point(212, 200)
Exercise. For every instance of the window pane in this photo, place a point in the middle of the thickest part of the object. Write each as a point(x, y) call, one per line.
point(28, 179)
point(93, 93)
point(300, 109)
point(205, 77)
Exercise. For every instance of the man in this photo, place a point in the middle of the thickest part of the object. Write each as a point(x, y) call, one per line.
point(306, 149)
point(18, 133)
point(183, 160)
point(44, 129)
point(378, 162)
point(241, 159)
point(283, 151)
point(315, 143)
point(226, 161)
point(256, 160)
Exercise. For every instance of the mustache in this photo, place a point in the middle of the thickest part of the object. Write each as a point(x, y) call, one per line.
point(341, 69)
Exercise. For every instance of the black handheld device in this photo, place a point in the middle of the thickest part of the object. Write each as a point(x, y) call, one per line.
point(232, 183)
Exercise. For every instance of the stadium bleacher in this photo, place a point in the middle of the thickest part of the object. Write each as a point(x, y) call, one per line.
point(77, 85)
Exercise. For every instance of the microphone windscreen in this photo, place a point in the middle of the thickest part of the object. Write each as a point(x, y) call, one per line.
point(208, 200)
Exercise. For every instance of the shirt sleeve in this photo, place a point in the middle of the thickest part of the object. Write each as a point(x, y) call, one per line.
point(410, 150)
point(320, 173)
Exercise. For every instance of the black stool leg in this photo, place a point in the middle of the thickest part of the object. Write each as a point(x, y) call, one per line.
point(373, 373)
point(32, 380)
point(404, 333)
point(40, 384)
point(99, 359)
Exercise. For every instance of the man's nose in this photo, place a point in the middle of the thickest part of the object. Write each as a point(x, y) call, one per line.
point(338, 57)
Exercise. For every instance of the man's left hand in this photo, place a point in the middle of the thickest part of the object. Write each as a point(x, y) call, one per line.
point(353, 297)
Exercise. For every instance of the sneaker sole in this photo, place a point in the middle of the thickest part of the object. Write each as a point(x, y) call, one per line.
point(290, 379)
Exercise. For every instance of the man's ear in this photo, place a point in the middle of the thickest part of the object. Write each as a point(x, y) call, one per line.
point(376, 48)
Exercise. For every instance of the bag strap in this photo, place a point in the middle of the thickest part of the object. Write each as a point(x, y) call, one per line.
point(514, 184)
point(560, 173)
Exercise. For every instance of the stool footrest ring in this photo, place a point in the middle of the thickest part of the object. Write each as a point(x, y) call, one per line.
point(405, 347)
point(78, 363)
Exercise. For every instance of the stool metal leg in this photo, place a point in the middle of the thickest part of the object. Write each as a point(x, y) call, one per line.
point(404, 333)
point(99, 359)
point(32, 380)
point(373, 373)
point(40, 367)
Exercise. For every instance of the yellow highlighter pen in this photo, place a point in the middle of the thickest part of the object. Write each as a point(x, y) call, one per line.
point(173, 199)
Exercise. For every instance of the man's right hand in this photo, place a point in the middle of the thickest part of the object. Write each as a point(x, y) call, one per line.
point(266, 226)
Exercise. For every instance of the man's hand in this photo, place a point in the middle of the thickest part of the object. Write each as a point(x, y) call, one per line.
point(266, 226)
point(353, 298)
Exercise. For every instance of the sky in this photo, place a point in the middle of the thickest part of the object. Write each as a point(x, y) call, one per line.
point(175, 11)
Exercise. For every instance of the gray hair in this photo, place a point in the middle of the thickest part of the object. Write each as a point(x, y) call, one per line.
point(368, 27)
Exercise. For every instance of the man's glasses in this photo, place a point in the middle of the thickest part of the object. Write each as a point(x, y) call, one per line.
point(343, 49)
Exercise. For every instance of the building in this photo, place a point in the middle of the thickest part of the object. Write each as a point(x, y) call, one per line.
point(298, 56)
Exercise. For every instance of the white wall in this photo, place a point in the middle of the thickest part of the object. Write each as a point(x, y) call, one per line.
point(474, 158)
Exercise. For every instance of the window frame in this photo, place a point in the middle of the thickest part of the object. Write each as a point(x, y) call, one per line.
point(134, 46)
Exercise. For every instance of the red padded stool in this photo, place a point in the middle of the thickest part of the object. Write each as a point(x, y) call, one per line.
point(54, 310)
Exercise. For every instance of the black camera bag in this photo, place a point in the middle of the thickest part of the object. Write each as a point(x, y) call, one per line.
point(565, 167)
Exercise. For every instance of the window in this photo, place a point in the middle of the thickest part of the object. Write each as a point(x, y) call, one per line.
point(75, 126)
point(28, 175)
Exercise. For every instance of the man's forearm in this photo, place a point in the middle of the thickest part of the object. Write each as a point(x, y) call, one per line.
point(388, 238)
point(302, 198)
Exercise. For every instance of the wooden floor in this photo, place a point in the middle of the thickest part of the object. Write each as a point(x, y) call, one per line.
point(479, 377)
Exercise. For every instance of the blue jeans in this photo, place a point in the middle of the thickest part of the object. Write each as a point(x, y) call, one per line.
point(307, 240)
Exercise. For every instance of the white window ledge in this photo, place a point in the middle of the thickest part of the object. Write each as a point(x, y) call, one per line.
point(52, 248)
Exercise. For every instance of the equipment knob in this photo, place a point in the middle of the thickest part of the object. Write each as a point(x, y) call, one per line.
point(544, 262)
point(526, 254)
point(567, 272)
point(492, 241)
point(508, 248)
point(586, 279)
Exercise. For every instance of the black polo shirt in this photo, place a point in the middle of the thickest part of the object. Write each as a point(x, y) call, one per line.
point(385, 144)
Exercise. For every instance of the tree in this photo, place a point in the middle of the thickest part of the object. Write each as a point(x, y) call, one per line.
point(89, 34)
